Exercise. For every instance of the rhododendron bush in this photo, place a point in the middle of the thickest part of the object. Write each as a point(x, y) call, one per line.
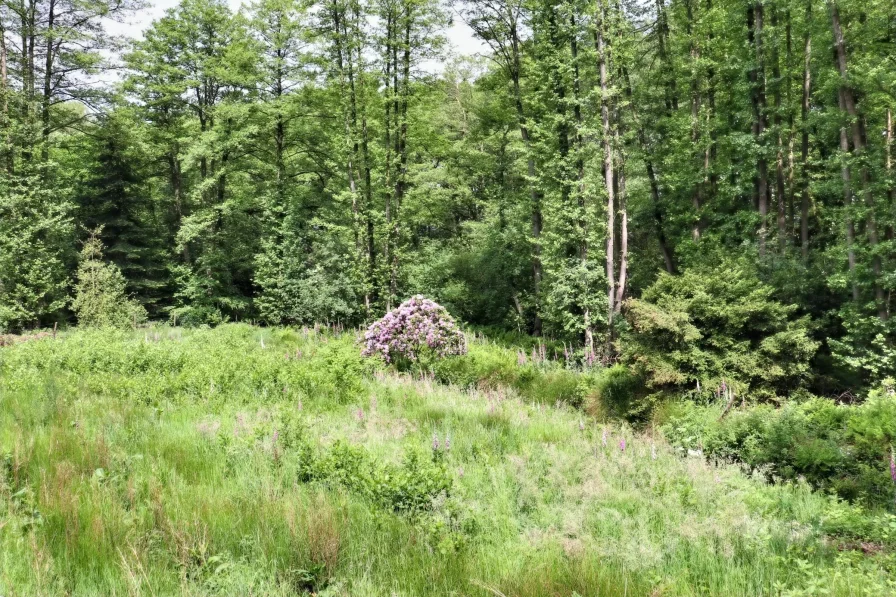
point(416, 328)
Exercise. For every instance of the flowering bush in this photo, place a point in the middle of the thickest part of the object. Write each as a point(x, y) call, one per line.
point(417, 326)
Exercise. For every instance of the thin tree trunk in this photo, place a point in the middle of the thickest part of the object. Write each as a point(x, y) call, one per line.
point(515, 68)
point(387, 247)
point(696, 100)
point(603, 57)
point(647, 151)
point(858, 141)
point(623, 238)
point(847, 204)
point(780, 187)
point(804, 145)
point(759, 126)
point(48, 74)
point(4, 91)
point(580, 172)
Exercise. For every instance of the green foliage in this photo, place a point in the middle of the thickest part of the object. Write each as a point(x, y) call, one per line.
point(707, 327)
point(410, 488)
point(488, 366)
point(100, 299)
point(35, 228)
point(618, 394)
point(844, 449)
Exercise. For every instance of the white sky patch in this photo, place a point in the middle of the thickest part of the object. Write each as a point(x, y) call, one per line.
point(461, 40)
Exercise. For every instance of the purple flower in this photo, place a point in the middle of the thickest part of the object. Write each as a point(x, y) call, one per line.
point(622, 445)
point(435, 442)
point(416, 324)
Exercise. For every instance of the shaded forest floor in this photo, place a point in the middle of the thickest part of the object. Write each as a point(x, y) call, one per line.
point(247, 461)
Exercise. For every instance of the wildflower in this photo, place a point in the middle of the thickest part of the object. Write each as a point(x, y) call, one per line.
point(360, 414)
point(653, 451)
point(299, 405)
point(622, 445)
point(604, 438)
point(447, 442)
point(435, 442)
point(581, 425)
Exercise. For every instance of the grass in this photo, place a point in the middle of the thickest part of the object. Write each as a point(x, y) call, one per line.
point(170, 462)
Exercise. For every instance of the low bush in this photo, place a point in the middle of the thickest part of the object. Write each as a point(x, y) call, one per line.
point(617, 393)
point(840, 448)
point(489, 366)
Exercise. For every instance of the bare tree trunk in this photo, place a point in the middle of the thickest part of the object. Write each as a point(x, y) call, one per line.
point(365, 159)
point(387, 125)
point(4, 91)
point(623, 238)
point(696, 100)
point(515, 70)
point(603, 57)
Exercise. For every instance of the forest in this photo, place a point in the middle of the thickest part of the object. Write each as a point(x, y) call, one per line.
point(297, 162)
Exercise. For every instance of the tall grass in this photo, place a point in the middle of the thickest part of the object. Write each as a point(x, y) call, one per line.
point(168, 463)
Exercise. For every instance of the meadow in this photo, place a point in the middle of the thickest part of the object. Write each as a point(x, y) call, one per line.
point(272, 461)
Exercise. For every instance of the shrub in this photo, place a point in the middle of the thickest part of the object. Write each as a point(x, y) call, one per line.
point(617, 393)
point(704, 328)
point(418, 327)
point(100, 298)
point(841, 448)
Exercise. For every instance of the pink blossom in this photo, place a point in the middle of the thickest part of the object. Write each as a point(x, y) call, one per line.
point(416, 324)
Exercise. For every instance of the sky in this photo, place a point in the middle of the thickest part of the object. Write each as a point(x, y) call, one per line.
point(460, 36)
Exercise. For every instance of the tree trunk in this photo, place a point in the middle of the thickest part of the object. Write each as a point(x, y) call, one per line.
point(847, 204)
point(623, 238)
point(858, 141)
point(603, 57)
point(646, 150)
point(8, 157)
point(780, 186)
point(48, 74)
point(759, 122)
point(515, 68)
point(804, 145)
point(696, 100)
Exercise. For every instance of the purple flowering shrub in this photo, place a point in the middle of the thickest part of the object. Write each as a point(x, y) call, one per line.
point(416, 328)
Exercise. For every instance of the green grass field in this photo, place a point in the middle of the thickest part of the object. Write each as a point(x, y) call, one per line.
point(247, 461)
